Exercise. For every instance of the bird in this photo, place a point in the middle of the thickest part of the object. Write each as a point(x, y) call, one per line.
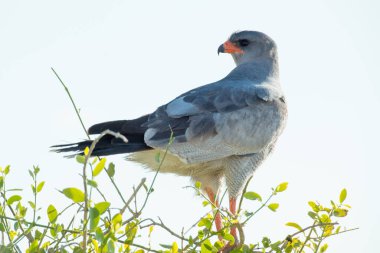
point(219, 133)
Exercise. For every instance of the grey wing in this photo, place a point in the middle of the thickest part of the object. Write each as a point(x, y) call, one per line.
point(217, 120)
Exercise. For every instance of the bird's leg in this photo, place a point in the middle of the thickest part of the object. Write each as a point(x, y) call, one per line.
point(233, 212)
point(218, 218)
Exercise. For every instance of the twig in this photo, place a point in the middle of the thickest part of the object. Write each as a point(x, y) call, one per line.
point(140, 246)
point(142, 182)
point(91, 149)
point(340, 232)
point(28, 234)
point(162, 225)
point(72, 101)
point(242, 195)
point(261, 207)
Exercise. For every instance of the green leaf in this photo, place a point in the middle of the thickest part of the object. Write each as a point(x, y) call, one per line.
point(116, 221)
point(323, 248)
point(31, 173)
point(32, 205)
point(339, 212)
point(294, 225)
point(80, 159)
point(314, 206)
point(74, 194)
point(273, 206)
point(219, 245)
point(99, 167)
point(205, 203)
point(52, 213)
point(6, 169)
point(205, 223)
point(198, 185)
point(13, 199)
point(282, 187)
point(343, 195)
point(157, 157)
point(36, 169)
point(266, 242)
point(312, 214)
point(111, 170)
point(1, 182)
point(92, 183)
point(206, 246)
point(94, 218)
point(166, 246)
point(110, 246)
point(252, 196)
point(229, 238)
point(2, 228)
point(102, 206)
point(40, 186)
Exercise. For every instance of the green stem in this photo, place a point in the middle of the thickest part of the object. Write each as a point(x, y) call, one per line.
point(72, 101)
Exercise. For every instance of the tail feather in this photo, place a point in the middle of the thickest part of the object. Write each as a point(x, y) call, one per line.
point(109, 145)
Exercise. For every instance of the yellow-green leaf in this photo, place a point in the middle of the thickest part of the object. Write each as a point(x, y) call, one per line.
point(252, 196)
point(343, 195)
point(282, 187)
point(273, 206)
point(323, 248)
point(40, 186)
point(339, 212)
point(6, 169)
point(111, 170)
point(80, 159)
point(150, 230)
point(116, 221)
point(174, 248)
point(198, 185)
point(294, 225)
point(13, 199)
point(99, 167)
point(229, 238)
point(52, 213)
point(85, 151)
point(313, 206)
point(94, 218)
point(102, 206)
point(74, 194)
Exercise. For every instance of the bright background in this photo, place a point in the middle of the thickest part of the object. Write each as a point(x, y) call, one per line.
point(122, 59)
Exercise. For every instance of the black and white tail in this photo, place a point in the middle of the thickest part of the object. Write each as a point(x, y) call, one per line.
point(110, 145)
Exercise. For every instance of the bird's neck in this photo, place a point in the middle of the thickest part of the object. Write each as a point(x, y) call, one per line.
point(258, 70)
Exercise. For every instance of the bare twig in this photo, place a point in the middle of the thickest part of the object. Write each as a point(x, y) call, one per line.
point(162, 225)
point(87, 157)
point(72, 101)
point(242, 195)
point(142, 182)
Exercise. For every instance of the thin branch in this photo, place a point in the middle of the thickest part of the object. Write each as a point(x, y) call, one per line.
point(142, 182)
point(72, 101)
point(242, 195)
point(141, 247)
point(162, 225)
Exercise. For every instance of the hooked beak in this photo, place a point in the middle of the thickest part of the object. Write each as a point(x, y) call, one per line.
point(229, 47)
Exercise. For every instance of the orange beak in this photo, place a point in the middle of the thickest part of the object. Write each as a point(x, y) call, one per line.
point(229, 47)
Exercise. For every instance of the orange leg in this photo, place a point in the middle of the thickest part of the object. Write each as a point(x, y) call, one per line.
point(233, 211)
point(218, 218)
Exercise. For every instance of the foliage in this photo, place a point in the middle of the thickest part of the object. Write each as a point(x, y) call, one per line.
point(106, 228)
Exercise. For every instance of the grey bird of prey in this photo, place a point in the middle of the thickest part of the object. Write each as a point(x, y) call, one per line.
point(222, 131)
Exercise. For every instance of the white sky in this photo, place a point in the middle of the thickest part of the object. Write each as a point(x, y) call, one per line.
point(122, 59)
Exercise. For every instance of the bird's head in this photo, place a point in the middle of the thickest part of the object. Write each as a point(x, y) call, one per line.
point(247, 46)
